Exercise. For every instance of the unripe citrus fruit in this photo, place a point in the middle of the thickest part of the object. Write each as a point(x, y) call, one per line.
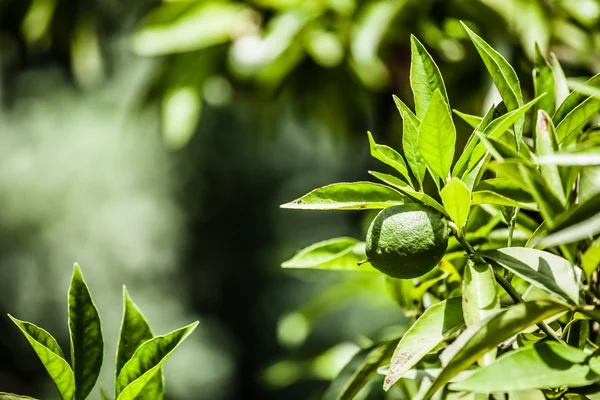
point(407, 241)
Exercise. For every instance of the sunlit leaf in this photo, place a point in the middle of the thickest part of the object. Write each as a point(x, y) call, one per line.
point(478, 339)
point(504, 77)
point(561, 88)
point(409, 191)
point(463, 161)
point(437, 136)
point(147, 361)
point(543, 82)
point(576, 232)
point(51, 356)
point(410, 141)
point(425, 79)
point(135, 330)
point(590, 260)
point(575, 157)
point(526, 395)
point(359, 371)
point(85, 328)
point(573, 100)
point(577, 118)
point(547, 202)
point(348, 196)
point(585, 88)
point(11, 396)
point(389, 156)
point(480, 298)
point(546, 142)
point(542, 366)
point(545, 270)
point(456, 197)
point(342, 253)
point(436, 324)
point(502, 191)
point(472, 120)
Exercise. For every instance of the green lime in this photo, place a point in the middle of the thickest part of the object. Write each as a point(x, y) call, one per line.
point(407, 241)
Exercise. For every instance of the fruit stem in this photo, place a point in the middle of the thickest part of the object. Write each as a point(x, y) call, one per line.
point(508, 288)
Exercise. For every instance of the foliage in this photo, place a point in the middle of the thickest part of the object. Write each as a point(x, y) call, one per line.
point(140, 354)
point(496, 316)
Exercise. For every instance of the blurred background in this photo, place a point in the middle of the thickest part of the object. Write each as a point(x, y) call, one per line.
point(153, 142)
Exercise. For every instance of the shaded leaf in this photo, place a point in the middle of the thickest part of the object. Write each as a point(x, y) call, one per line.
point(585, 88)
point(505, 187)
point(573, 100)
point(490, 197)
point(425, 78)
point(504, 77)
point(542, 366)
point(388, 156)
point(547, 203)
point(436, 324)
point(456, 197)
point(478, 339)
point(544, 270)
point(342, 253)
point(11, 396)
point(543, 82)
point(573, 157)
point(410, 141)
point(348, 196)
point(409, 191)
point(359, 371)
point(472, 120)
point(50, 355)
point(437, 136)
point(576, 232)
point(147, 362)
point(85, 328)
point(135, 330)
point(546, 142)
point(561, 88)
point(577, 118)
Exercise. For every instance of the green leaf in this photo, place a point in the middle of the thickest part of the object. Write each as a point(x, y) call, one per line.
point(51, 356)
point(437, 136)
point(576, 232)
point(409, 191)
point(480, 298)
point(496, 129)
point(135, 330)
point(542, 366)
point(472, 120)
point(501, 150)
point(359, 371)
point(425, 78)
point(585, 88)
point(147, 361)
point(526, 395)
point(342, 253)
point(546, 142)
point(104, 394)
point(543, 82)
point(436, 324)
point(348, 196)
point(478, 339)
point(544, 270)
point(388, 156)
point(457, 201)
point(504, 77)
point(590, 260)
point(85, 328)
point(561, 88)
point(460, 168)
point(547, 203)
point(410, 141)
point(574, 157)
point(573, 100)
point(490, 197)
point(11, 396)
point(577, 118)
point(508, 188)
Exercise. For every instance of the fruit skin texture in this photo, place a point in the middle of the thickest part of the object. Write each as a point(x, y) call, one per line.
point(407, 241)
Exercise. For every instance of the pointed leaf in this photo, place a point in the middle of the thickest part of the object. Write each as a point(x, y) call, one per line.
point(457, 201)
point(359, 371)
point(342, 253)
point(460, 168)
point(583, 230)
point(409, 191)
point(147, 362)
point(87, 344)
point(425, 78)
point(544, 270)
point(410, 141)
point(50, 354)
point(472, 120)
point(585, 88)
point(577, 118)
point(572, 158)
point(543, 82)
point(544, 365)
point(388, 156)
point(436, 324)
point(561, 88)
point(490, 197)
point(504, 77)
point(546, 142)
point(547, 203)
point(437, 136)
point(348, 196)
point(573, 100)
point(590, 260)
point(478, 339)
point(11, 396)
point(135, 330)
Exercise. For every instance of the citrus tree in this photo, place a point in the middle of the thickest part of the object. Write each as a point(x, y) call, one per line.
point(493, 250)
